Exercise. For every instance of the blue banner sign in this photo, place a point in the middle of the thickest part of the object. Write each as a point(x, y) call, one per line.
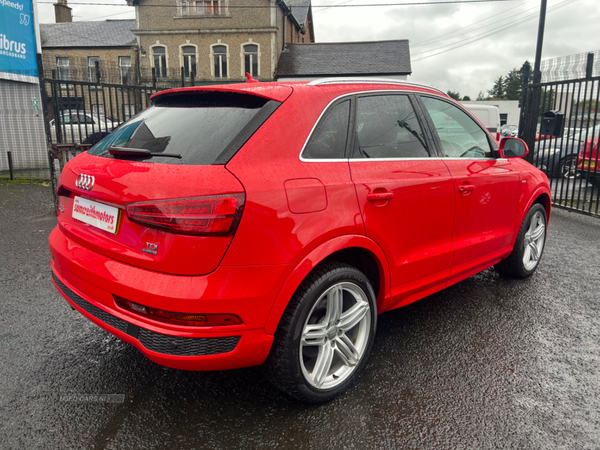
point(17, 39)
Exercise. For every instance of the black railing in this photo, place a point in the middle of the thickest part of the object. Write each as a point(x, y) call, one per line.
point(566, 151)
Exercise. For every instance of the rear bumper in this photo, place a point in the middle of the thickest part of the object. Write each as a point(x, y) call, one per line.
point(89, 280)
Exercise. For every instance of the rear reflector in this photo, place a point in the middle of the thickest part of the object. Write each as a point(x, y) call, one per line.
point(207, 216)
point(176, 318)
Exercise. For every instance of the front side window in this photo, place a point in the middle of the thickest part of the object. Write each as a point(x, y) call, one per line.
point(62, 68)
point(328, 140)
point(220, 61)
point(159, 55)
point(460, 135)
point(251, 59)
point(387, 127)
point(189, 60)
point(125, 69)
point(94, 69)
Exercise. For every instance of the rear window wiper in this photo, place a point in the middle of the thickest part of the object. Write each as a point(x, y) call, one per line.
point(139, 152)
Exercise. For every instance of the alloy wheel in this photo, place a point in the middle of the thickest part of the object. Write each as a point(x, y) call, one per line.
point(335, 335)
point(534, 241)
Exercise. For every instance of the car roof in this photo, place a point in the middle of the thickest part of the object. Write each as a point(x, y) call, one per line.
point(280, 91)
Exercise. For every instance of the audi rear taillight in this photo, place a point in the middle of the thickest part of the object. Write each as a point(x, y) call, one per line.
point(177, 318)
point(216, 215)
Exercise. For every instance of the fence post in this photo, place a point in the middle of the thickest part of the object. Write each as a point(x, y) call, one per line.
point(46, 116)
point(589, 68)
point(10, 165)
point(524, 104)
point(182, 77)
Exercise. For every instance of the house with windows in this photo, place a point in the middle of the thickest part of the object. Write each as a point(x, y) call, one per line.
point(214, 41)
point(90, 51)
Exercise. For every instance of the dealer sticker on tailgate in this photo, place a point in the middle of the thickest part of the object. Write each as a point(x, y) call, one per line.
point(96, 214)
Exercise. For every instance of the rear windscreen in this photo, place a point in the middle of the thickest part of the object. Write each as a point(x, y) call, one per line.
point(203, 128)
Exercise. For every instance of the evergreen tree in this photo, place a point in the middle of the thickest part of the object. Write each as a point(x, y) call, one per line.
point(481, 96)
point(497, 92)
point(454, 95)
point(513, 85)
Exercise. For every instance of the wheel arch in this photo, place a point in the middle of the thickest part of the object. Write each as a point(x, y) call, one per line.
point(355, 250)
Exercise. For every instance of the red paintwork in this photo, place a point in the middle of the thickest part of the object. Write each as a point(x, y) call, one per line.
point(587, 159)
point(426, 223)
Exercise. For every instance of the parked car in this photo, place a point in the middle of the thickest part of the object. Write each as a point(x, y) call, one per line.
point(488, 115)
point(83, 127)
point(587, 162)
point(558, 157)
point(509, 131)
point(270, 223)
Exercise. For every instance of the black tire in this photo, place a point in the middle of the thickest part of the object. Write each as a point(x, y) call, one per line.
point(318, 366)
point(567, 168)
point(594, 180)
point(529, 246)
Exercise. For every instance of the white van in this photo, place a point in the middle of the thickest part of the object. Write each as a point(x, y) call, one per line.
point(488, 115)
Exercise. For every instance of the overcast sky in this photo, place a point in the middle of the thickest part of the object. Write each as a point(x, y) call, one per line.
point(502, 34)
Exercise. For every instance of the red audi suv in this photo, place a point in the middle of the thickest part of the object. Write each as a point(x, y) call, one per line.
point(270, 223)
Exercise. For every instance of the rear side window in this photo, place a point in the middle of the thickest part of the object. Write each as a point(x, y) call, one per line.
point(328, 141)
point(204, 128)
point(387, 127)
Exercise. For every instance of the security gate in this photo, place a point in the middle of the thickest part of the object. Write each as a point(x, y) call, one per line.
point(559, 122)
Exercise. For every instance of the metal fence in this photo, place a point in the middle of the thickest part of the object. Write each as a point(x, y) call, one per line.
point(80, 113)
point(559, 122)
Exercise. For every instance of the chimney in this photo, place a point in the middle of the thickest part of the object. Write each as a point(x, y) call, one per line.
point(62, 13)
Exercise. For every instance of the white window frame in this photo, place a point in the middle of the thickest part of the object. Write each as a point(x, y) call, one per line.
point(199, 8)
point(62, 68)
point(243, 58)
point(128, 72)
point(166, 60)
point(182, 57)
point(212, 60)
point(92, 69)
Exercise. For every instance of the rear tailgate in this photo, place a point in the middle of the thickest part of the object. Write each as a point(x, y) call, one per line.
point(118, 183)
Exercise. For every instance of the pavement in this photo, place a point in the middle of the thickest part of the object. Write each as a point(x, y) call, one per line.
point(487, 363)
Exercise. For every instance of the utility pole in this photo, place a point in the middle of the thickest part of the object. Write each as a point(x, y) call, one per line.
point(537, 74)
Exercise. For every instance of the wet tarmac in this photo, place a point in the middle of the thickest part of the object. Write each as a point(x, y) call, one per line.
point(488, 363)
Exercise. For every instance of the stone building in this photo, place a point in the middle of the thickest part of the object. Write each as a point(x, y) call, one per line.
point(217, 41)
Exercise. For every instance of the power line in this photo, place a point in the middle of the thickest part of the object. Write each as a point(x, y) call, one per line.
point(437, 38)
point(484, 35)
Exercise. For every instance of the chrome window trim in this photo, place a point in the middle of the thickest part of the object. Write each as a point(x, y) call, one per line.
point(301, 158)
point(435, 158)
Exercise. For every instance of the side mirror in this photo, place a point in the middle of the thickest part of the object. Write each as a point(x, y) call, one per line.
point(511, 147)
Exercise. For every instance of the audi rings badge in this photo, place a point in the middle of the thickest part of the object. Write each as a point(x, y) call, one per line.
point(85, 182)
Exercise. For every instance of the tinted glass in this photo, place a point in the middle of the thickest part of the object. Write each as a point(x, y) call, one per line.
point(198, 127)
point(460, 135)
point(330, 136)
point(387, 127)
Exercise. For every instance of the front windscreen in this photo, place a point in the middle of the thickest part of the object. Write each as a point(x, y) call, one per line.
point(203, 128)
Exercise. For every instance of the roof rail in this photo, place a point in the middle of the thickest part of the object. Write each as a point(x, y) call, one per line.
point(366, 80)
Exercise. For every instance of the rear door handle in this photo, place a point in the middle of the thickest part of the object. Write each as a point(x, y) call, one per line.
point(466, 188)
point(374, 196)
